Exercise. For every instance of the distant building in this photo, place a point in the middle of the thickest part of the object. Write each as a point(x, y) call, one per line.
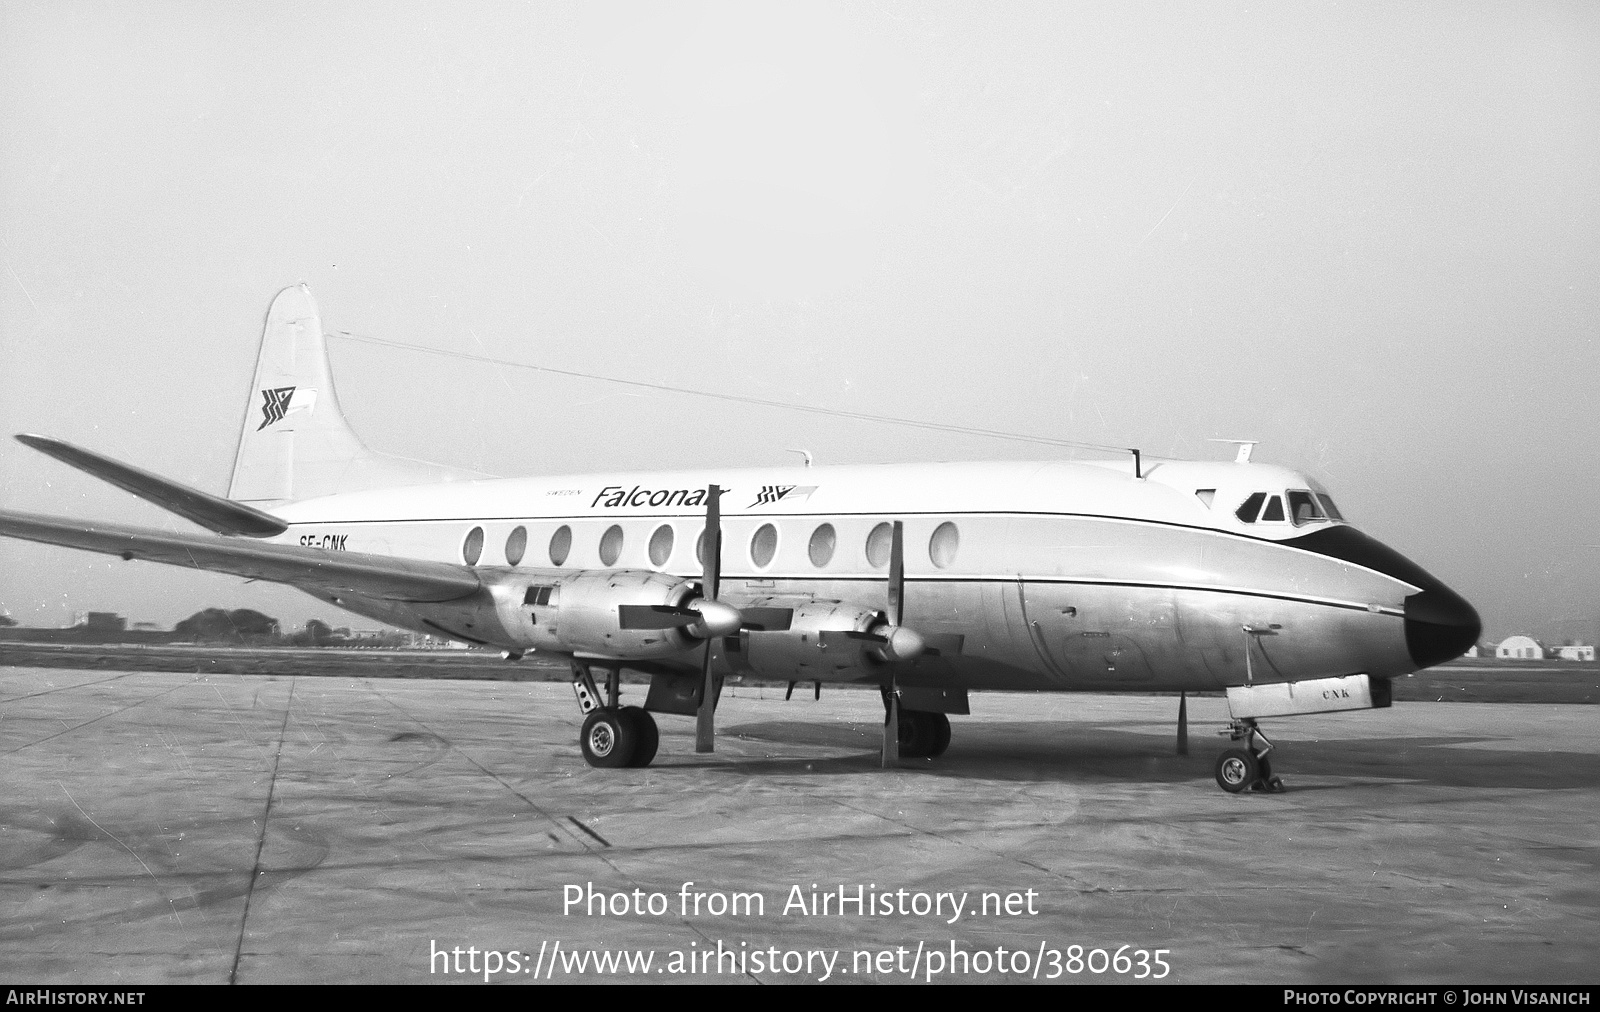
point(1576, 652)
point(104, 622)
point(1519, 647)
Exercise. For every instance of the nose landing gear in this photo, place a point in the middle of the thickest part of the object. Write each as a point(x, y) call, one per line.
point(1247, 768)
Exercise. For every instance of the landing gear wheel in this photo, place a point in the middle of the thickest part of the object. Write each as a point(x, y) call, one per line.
point(941, 735)
point(609, 739)
point(923, 735)
point(917, 734)
point(1237, 769)
point(646, 736)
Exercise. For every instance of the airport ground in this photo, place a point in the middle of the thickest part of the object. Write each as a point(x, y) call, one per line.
point(196, 826)
point(1466, 680)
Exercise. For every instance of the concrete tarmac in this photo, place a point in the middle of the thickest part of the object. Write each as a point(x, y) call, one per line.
point(205, 828)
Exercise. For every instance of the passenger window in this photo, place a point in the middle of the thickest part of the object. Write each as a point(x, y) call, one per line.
point(764, 545)
point(560, 545)
point(942, 546)
point(823, 542)
point(1303, 509)
point(1274, 510)
point(611, 545)
point(879, 543)
point(1252, 506)
point(661, 545)
point(472, 548)
point(516, 545)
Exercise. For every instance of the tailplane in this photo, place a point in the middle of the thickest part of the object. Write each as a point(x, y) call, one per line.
point(295, 442)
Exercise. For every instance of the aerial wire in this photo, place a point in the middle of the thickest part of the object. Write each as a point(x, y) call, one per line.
point(863, 416)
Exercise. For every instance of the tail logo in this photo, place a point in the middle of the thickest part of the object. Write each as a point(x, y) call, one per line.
point(274, 405)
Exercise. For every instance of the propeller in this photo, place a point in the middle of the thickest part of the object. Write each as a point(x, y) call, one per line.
point(710, 579)
point(899, 644)
point(893, 641)
point(705, 617)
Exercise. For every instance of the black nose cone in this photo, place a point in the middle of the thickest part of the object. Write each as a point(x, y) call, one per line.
point(1440, 625)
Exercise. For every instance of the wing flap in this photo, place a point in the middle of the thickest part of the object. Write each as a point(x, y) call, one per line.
point(377, 576)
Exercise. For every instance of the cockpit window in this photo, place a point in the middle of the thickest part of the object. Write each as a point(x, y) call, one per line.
point(1252, 506)
point(1274, 510)
point(1205, 495)
point(1304, 508)
point(1329, 508)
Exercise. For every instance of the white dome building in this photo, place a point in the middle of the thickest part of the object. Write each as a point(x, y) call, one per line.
point(1520, 647)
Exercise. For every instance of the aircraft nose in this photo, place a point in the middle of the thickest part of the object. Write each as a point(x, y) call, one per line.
point(1440, 625)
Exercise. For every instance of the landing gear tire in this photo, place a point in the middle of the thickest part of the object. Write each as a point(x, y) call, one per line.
point(941, 738)
point(1237, 769)
point(610, 739)
point(923, 735)
point(646, 736)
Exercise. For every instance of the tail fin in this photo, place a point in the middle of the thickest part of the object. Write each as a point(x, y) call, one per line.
point(295, 443)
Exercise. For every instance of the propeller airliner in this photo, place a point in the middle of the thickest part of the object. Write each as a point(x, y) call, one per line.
point(927, 581)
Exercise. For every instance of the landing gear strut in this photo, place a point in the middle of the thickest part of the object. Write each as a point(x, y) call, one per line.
point(613, 735)
point(1247, 768)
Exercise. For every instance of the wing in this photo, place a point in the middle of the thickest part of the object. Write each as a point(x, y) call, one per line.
point(376, 576)
point(221, 515)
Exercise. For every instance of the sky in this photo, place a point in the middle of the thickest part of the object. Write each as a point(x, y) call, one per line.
point(1363, 234)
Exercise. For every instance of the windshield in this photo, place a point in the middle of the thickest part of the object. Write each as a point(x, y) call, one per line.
point(1304, 508)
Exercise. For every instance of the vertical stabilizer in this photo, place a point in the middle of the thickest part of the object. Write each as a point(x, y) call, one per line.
point(295, 443)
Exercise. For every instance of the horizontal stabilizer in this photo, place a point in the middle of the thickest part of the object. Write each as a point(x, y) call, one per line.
point(374, 576)
point(212, 512)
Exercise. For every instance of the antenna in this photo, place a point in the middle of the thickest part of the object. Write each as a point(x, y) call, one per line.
point(1245, 446)
point(804, 453)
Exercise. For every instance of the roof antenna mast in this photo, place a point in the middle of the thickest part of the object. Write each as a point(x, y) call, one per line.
point(1244, 445)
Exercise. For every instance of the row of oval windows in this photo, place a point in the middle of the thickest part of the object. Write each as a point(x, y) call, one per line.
point(942, 545)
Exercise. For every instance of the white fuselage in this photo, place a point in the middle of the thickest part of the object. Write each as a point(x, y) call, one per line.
point(1053, 575)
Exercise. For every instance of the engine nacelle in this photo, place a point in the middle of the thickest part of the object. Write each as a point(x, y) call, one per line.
point(815, 647)
point(577, 612)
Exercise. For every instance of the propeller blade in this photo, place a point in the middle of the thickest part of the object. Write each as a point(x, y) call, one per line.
point(943, 644)
point(1183, 723)
point(891, 727)
point(900, 644)
point(711, 545)
point(654, 616)
point(711, 561)
point(702, 619)
point(828, 637)
point(897, 575)
point(767, 619)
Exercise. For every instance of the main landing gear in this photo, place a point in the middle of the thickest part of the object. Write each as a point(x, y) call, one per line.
point(1247, 768)
point(922, 734)
point(613, 735)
